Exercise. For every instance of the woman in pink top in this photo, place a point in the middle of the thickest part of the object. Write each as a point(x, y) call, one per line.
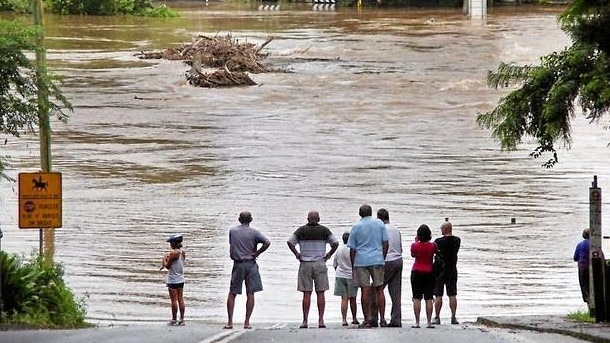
point(422, 277)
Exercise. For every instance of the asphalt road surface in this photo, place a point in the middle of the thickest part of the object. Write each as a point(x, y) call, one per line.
point(278, 333)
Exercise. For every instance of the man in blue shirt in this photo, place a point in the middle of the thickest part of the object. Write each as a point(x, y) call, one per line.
point(368, 243)
point(581, 255)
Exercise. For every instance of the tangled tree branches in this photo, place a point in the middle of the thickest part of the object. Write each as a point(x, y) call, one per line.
point(232, 58)
point(219, 78)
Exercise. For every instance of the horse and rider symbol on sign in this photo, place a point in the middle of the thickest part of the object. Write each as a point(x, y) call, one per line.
point(39, 185)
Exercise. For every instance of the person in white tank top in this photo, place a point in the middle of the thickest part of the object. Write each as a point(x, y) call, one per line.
point(173, 261)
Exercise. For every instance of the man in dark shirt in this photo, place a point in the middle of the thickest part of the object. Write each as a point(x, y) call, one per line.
point(448, 245)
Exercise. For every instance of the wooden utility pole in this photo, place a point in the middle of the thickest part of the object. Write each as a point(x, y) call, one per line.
point(43, 117)
point(596, 256)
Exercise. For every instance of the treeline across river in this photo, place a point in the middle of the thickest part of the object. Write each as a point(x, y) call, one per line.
point(165, 9)
point(146, 8)
point(396, 3)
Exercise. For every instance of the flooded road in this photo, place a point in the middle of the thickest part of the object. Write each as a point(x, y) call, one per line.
point(379, 107)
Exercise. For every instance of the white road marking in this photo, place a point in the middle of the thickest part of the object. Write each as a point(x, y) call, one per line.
point(227, 336)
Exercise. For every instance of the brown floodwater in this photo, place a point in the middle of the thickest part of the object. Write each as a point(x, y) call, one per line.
point(378, 107)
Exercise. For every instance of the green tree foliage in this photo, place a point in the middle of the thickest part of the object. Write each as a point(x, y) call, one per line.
point(545, 101)
point(111, 7)
point(18, 6)
point(35, 294)
point(18, 84)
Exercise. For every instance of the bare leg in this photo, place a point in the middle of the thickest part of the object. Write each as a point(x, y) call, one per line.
point(181, 304)
point(380, 303)
point(362, 308)
point(305, 306)
point(429, 307)
point(230, 308)
point(321, 306)
point(373, 310)
point(173, 297)
point(344, 302)
point(354, 307)
point(416, 310)
point(365, 299)
point(438, 304)
point(249, 309)
point(453, 305)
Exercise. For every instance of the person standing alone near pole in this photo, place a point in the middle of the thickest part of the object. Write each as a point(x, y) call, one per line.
point(312, 239)
point(448, 245)
point(581, 255)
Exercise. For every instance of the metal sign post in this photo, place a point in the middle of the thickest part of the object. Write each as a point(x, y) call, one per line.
point(596, 256)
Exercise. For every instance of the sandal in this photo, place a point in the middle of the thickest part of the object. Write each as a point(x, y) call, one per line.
point(365, 325)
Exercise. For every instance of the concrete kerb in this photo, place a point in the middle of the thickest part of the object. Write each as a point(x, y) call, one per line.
point(598, 333)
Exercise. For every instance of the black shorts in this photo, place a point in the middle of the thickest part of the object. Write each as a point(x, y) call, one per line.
point(422, 285)
point(448, 280)
point(175, 285)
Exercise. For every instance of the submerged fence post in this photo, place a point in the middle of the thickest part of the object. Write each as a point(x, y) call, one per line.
point(596, 256)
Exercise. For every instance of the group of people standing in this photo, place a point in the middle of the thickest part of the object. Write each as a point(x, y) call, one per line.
point(370, 259)
point(374, 247)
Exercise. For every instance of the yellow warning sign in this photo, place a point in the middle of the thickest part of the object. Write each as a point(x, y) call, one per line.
point(39, 200)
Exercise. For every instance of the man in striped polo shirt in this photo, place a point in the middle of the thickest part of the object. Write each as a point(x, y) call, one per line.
point(312, 239)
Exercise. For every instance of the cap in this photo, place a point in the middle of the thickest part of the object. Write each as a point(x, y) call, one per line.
point(174, 238)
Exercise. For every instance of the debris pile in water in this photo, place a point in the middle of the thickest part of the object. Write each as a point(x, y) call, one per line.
point(232, 59)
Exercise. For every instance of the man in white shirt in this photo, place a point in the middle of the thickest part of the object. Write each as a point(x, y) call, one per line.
point(393, 269)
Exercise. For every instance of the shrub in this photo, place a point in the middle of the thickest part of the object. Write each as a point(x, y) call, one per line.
point(159, 11)
point(35, 294)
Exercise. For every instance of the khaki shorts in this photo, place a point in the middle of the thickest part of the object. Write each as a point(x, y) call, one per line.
point(310, 273)
point(363, 275)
